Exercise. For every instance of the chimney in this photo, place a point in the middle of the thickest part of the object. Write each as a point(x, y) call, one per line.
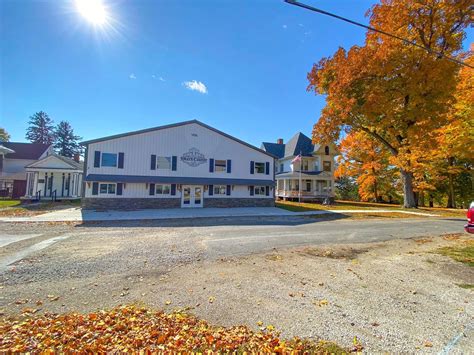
point(76, 158)
point(280, 141)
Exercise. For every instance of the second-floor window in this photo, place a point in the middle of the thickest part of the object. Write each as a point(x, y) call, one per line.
point(326, 165)
point(163, 163)
point(220, 166)
point(282, 167)
point(259, 168)
point(305, 165)
point(109, 159)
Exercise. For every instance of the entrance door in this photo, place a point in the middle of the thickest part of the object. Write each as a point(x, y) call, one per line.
point(191, 196)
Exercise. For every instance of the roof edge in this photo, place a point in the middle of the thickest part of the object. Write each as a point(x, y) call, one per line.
point(178, 124)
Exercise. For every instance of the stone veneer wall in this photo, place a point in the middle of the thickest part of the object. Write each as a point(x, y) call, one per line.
point(239, 202)
point(147, 203)
point(129, 203)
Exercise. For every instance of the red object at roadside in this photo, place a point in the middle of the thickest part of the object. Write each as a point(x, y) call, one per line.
point(469, 227)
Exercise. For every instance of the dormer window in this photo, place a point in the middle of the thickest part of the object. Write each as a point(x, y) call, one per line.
point(326, 150)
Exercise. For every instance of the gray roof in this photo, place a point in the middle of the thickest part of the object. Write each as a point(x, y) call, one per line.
point(299, 143)
point(30, 151)
point(276, 149)
point(176, 125)
point(177, 180)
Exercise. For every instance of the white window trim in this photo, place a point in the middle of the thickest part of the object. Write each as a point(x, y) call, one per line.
point(108, 166)
point(107, 193)
point(163, 194)
point(215, 166)
point(163, 156)
point(255, 167)
point(219, 194)
point(259, 188)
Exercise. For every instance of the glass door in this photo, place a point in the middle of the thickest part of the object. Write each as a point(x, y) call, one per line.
point(192, 196)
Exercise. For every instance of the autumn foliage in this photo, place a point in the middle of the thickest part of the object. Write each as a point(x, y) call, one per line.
point(365, 159)
point(138, 329)
point(398, 94)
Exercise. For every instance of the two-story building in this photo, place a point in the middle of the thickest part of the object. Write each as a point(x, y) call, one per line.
point(187, 164)
point(314, 170)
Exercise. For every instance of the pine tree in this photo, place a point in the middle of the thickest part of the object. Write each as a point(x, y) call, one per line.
point(4, 136)
point(40, 129)
point(67, 144)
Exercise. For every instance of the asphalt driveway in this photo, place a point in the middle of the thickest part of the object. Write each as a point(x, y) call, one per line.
point(254, 269)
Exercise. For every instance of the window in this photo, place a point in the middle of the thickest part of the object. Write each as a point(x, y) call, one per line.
point(163, 163)
point(163, 189)
point(107, 189)
point(305, 165)
point(260, 190)
point(326, 165)
point(326, 150)
point(308, 185)
point(260, 168)
point(282, 166)
point(109, 159)
point(220, 189)
point(220, 165)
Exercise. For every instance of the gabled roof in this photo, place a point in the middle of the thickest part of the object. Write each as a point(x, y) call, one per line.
point(172, 126)
point(72, 163)
point(31, 151)
point(299, 143)
point(276, 149)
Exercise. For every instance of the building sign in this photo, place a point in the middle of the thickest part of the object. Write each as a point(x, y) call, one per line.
point(193, 157)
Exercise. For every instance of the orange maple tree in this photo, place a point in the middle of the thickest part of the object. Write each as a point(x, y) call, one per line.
point(365, 159)
point(397, 93)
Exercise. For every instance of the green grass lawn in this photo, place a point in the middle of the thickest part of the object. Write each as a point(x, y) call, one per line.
point(9, 203)
point(369, 206)
point(463, 253)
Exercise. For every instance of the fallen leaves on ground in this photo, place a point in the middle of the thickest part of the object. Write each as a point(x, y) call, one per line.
point(132, 328)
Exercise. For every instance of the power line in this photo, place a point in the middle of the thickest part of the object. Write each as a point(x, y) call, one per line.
point(439, 54)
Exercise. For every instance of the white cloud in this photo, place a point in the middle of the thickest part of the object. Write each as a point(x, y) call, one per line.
point(196, 86)
point(285, 27)
point(132, 76)
point(160, 78)
point(301, 25)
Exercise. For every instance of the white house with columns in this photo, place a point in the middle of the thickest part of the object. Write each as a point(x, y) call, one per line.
point(54, 177)
point(315, 170)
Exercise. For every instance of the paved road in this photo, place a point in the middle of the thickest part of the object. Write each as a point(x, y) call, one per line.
point(225, 237)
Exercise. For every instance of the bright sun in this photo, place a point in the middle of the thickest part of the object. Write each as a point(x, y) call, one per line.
point(92, 10)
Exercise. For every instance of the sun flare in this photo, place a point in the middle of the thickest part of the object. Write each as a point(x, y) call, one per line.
point(93, 11)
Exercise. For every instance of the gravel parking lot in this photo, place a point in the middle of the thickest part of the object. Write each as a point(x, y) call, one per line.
point(337, 280)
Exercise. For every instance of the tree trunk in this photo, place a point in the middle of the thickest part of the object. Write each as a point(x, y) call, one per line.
point(451, 199)
point(431, 201)
point(408, 195)
point(421, 199)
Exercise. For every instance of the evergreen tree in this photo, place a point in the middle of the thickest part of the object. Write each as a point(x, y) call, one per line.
point(4, 136)
point(66, 143)
point(40, 129)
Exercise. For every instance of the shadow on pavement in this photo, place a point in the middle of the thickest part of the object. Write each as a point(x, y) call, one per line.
point(218, 221)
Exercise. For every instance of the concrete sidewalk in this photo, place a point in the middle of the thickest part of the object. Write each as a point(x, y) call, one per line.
point(80, 215)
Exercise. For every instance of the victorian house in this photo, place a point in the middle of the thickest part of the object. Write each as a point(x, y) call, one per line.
point(302, 162)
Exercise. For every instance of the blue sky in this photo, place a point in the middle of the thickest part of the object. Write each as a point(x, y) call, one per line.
point(252, 56)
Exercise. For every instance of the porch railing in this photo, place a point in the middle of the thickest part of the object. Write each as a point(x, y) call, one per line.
point(295, 193)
